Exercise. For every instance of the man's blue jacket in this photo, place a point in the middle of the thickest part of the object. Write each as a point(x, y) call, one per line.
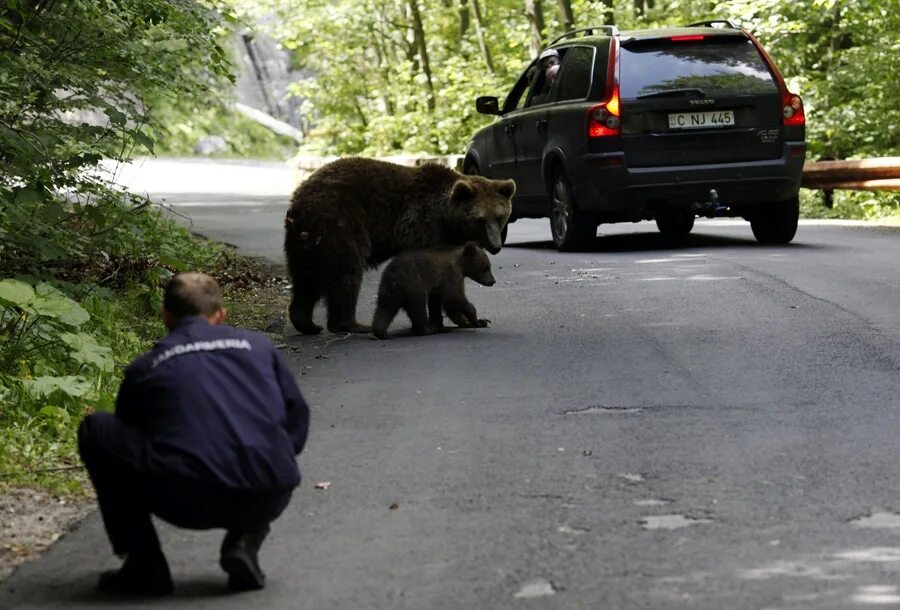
point(217, 405)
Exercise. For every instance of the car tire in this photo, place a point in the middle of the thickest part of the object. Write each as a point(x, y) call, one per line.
point(675, 223)
point(572, 230)
point(776, 223)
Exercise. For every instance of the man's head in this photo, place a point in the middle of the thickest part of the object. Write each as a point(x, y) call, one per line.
point(192, 294)
point(548, 58)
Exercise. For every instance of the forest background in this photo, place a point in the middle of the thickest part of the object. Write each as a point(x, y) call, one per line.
point(82, 261)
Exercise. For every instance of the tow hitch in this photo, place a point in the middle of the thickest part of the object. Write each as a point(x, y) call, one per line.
point(711, 208)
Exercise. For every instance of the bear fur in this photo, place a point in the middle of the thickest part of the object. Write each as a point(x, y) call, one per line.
point(355, 213)
point(433, 278)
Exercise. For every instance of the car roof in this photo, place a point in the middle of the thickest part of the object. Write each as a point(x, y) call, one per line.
point(660, 33)
point(668, 32)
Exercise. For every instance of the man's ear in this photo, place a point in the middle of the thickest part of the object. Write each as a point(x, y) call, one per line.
point(219, 316)
point(167, 318)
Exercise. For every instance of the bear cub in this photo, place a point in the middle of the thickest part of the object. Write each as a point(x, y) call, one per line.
point(432, 279)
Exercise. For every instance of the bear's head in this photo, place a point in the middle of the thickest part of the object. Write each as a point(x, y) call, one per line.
point(476, 265)
point(486, 205)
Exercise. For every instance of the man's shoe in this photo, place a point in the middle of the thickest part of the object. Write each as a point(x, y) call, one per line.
point(142, 575)
point(240, 562)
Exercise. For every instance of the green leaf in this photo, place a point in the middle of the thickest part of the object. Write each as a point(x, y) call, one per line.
point(70, 385)
point(29, 195)
point(86, 350)
point(54, 413)
point(116, 117)
point(14, 292)
point(143, 139)
point(50, 302)
point(175, 263)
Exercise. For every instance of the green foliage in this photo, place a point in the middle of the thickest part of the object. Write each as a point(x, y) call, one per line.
point(79, 81)
point(60, 358)
point(184, 125)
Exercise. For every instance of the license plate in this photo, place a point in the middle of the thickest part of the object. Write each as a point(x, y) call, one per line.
point(700, 120)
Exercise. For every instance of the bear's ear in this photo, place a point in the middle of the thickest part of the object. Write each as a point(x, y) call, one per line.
point(462, 191)
point(507, 188)
point(471, 249)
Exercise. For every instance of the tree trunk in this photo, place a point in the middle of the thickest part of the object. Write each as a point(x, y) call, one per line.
point(419, 37)
point(565, 15)
point(638, 8)
point(535, 13)
point(463, 17)
point(479, 32)
point(383, 63)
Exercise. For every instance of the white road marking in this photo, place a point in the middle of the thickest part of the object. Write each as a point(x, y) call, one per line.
point(536, 588)
point(669, 522)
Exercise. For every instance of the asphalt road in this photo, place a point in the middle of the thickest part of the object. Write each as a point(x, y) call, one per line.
point(713, 425)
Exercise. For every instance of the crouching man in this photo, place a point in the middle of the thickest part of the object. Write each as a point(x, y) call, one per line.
point(205, 433)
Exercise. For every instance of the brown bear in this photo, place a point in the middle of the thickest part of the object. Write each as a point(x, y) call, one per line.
point(356, 213)
point(432, 278)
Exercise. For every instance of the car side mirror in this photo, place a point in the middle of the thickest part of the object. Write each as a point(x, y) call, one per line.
point(487, 104)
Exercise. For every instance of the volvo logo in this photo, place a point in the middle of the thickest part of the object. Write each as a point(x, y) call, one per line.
point(703, 102)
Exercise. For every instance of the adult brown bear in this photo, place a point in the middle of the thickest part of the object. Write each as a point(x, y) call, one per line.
point(356, 213)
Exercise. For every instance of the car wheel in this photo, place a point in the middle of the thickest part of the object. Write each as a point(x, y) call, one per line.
point(572, 230)
point(675, 223)
point(776, 223)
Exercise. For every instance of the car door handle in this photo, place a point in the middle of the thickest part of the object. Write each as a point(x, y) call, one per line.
point(541, 124)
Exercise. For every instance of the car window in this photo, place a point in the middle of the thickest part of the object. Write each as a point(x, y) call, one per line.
point(545, 77)
point(516, 99)
point(717, 65)
point(575, 74)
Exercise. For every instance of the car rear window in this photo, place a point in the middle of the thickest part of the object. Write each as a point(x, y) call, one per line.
point(719, 65)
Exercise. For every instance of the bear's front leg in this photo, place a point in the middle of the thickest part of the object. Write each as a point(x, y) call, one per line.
point(418, 315)
point(462, 312)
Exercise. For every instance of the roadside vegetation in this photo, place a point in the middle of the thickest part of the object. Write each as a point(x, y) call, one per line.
point(83, 263)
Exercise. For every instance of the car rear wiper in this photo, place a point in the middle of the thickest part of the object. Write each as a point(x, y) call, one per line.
point(675, 92)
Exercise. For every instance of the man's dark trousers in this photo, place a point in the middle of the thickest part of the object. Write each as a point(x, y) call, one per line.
point(114, 454)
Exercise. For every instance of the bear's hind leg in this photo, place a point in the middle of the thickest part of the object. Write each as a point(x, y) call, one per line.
point(303, 302)
point(384, 315)
point(342, 297)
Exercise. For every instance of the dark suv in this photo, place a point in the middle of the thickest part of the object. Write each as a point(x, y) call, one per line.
point(664, 124)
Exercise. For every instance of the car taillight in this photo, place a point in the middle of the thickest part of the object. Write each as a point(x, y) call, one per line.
point(604, 118)
point(792, 109)
point(688, 38)
point(791, 105)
